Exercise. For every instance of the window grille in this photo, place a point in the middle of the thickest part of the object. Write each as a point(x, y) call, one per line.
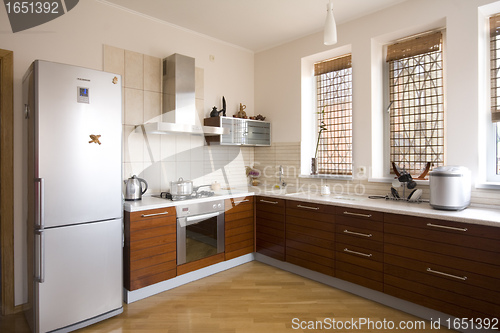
point(416, 102)
point(334, 111)
point(495, 82)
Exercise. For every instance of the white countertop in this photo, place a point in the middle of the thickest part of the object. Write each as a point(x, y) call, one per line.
point(484, 215)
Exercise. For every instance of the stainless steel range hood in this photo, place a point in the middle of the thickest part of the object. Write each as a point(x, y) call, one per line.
point(179, 113)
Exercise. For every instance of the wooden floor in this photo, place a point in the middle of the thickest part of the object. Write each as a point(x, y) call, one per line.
point(250, 298)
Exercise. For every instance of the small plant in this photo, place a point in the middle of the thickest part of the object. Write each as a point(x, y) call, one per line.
point(322, 127)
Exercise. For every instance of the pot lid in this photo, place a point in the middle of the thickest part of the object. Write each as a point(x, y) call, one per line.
point(449, 171)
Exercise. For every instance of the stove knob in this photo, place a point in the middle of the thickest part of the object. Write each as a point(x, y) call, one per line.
point(219, 206)
point(214, 206)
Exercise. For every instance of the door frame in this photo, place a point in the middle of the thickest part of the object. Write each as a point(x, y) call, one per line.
point(7, 186)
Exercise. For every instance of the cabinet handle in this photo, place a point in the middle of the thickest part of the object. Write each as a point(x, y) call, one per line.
point(156, 214)
point(271, 202)
point(358, 253)
point(463, 278)
point(446, 227)
point(242, 201)
point(307, 207)
point(357, 214)
point(357, 233)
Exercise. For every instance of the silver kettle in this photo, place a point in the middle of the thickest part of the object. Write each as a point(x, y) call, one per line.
point(134, 189)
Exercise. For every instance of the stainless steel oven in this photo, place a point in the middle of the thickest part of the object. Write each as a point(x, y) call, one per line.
point(200, 230)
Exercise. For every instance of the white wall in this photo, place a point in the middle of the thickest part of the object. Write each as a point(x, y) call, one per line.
point(278, 76)
point(78, 37)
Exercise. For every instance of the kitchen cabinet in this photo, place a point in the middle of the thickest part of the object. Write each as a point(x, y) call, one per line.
point(449, 266)
point(239, 227)
point(149, 253)
point(270, 227)
point(310, 234)
point(242, 132)
point(359, 247)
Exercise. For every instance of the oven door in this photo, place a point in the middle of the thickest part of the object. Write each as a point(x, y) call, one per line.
point(199, 236)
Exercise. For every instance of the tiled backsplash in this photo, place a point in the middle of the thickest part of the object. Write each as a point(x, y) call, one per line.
point(268, 159)
point(163, 158)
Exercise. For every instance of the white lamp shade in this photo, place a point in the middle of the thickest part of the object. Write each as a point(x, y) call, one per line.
point(330, 33)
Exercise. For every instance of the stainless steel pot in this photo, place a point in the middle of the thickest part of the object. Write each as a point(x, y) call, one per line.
point(181, 187)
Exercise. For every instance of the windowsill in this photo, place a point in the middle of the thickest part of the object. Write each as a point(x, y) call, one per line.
point(488, 185)
point(391, 179)
point(337, 177)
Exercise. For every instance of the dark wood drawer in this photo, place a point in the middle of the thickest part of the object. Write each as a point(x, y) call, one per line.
point(309, 210)
point(356, 232)
point(152, 214)
point(311, 248)
point(310, 228)
point(234, 224)
point(373, 279)
point(436, 295)
point(444, 232)
point(359, 214)
point(326, 242)
point(270, 204)
point(245, 228)
point(237, 205)
point(152, 242)
point(315, 263)
point(152, 261)
point(366, 244)
point(151, 277)
point(450, 227)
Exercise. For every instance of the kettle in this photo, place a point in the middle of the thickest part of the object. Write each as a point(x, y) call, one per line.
point(133, 188)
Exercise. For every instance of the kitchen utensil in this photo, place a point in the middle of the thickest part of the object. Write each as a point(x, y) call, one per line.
point(181, 187)
point(450, 188)
point(134, 189)
point(215, 186)
point(415, 195)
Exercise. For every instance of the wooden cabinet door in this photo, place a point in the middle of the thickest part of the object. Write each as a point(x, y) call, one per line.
point(310, 235)
point(270, 227)
point(359, 247)
point(150, 250)
point(239, 227)
point(448, 266)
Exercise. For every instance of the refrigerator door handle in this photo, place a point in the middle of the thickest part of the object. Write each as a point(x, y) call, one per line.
point(40, 219)
point(40, 257)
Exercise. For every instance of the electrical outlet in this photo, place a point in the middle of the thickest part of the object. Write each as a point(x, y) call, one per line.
point(361, 171)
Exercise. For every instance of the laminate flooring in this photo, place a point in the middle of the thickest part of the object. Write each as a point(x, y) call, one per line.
point(252, 298)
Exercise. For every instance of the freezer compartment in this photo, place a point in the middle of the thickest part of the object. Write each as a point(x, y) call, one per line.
point(81, 270)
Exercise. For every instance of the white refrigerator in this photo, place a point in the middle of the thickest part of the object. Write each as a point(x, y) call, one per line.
point(74, 195)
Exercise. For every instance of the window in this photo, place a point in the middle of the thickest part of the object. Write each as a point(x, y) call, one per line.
point(334, 111)
point(495, 83)
point(416, 109)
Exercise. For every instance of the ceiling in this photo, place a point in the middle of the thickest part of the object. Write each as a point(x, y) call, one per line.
point(254, 25)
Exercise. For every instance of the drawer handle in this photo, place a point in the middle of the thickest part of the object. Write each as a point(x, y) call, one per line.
point(357, 214)
point(357, 233)
point(239, 202)
point(267, 201)
point(307, 207)
point(446, 227)
point(156, 214)
point(463, 278)
point(358, 253)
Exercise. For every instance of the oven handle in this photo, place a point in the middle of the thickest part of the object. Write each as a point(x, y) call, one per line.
point(195, 219)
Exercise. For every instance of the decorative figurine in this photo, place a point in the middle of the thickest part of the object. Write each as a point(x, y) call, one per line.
point(216, 113)
point(242, 113)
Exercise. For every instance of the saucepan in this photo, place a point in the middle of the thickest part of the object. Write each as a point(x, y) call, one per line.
point(183, 187)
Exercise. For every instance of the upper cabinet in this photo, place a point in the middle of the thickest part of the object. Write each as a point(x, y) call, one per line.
point(242, 132)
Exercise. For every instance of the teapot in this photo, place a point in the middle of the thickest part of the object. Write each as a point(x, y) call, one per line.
point(134, 189)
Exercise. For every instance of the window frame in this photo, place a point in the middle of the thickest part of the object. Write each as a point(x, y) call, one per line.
point(387, 165)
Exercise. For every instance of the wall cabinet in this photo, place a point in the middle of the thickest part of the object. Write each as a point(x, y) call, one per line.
point(149, 254)
point(448, 266)
point(242, 132)
point(310, 234)
point(239, 227)
point(359, 247)
point(270, 227)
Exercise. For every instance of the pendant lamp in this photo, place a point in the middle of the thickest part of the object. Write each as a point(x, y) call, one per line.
point(330, 33)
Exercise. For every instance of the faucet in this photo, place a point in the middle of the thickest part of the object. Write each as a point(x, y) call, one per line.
point(282, 183)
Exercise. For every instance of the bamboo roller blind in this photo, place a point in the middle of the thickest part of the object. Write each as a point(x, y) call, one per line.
point(414, 46)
